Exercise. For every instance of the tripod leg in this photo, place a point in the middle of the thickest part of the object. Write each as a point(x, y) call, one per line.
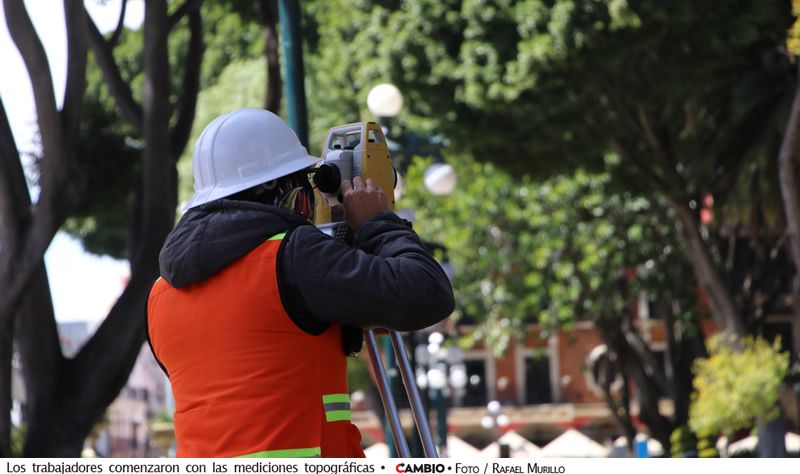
point(414, 399)
point(389, 404)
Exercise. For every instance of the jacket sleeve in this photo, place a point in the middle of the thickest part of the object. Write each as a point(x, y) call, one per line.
point(388, 281)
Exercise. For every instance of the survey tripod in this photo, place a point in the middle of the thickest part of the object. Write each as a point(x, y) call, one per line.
point(410, 384)
point(360, 149)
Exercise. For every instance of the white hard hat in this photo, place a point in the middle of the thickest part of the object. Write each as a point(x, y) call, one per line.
point(242, 149)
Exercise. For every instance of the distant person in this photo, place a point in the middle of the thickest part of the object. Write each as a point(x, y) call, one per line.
point(256, 308)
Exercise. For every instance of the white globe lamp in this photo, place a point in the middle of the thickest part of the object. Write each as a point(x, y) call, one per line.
point(487, 422)
point(385, 100)
point(458, 376)
point(437, 377)
point(440, 179)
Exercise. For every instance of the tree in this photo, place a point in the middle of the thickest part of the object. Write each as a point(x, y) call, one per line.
point(138, 108)
point(67, 396)
point(788, 163)
point(691, 97)
point(737, 389)
point(562, 250)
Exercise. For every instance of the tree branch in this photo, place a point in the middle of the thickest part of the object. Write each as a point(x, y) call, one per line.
point(619, 107)
point(112, 42)
point(101, 368)
point(660, 149)
point(187, 7)
point(75, 18)
point(723, 309)
point(56, 195)
point(30, 47)
point(120, 90)
point(191, 85)
point(15, 202)
point(630, 156)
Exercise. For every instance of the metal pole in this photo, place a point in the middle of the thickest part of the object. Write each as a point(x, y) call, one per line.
point(293, 84)
point(441, 417)
point(414, 399)
point(386, 395)
point(391, 375)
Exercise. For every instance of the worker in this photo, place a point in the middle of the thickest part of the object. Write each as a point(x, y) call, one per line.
point(256, 308)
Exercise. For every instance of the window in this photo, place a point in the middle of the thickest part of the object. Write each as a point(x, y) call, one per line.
point(475, 391)
point(537, 380)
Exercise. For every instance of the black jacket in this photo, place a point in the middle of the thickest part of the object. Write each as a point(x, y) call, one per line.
point(389, 280)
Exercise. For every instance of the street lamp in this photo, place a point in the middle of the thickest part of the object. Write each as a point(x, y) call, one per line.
point(441, 370)
point(495, 420)
point(385, 101)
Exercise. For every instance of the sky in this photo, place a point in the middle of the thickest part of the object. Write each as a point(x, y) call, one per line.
point(83, 286)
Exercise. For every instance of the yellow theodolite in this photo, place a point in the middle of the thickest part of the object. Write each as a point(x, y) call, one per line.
point(355, 149)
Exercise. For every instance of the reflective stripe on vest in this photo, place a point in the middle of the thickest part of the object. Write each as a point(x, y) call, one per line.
point(277, 236)
point(286, 453)
point(337, 406)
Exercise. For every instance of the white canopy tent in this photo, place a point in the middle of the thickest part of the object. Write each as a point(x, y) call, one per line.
point(458, 448)
point(519, 447)
point(573, 444)
point(750, 443)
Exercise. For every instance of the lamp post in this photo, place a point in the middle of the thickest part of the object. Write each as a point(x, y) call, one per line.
point(441, 370)
point(495, 420)
point(385, 101)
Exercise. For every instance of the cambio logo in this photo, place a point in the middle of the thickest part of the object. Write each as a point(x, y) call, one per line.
point(426, 468)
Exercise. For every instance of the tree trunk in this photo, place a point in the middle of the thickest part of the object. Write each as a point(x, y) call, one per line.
point(42, 363)
point(15, 206)
point(788, 174)
point(268, 17)
point(613, 333)
point(720, 302)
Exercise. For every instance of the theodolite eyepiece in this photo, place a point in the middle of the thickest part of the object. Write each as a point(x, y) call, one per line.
point(328, 178)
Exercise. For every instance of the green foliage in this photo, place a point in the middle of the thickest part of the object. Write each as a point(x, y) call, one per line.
point(109, 149)
point(793, 40)
point(737, 386)
point(683, 443)
point(521, 82)
point(551, 252)
point(357, 373)
point(110, 162)
point(707, 447)
point(163, 416)
point(18, 440)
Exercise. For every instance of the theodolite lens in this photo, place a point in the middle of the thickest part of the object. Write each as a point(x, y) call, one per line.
point(328, 178)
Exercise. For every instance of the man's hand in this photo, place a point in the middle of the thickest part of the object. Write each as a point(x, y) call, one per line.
point(362, 201)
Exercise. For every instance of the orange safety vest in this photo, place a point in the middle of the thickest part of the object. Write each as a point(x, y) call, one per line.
point(246, 380)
